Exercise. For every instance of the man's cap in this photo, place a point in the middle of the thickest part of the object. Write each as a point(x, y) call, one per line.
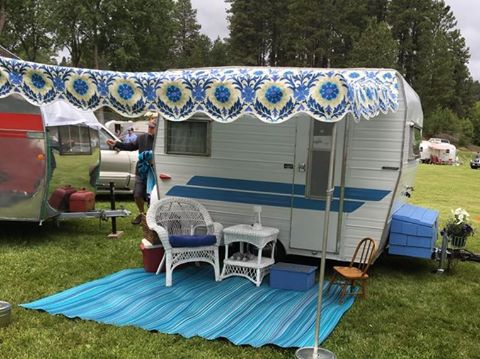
point(130, 128)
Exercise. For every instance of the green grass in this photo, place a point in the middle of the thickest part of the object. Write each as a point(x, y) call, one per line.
point(409, 312)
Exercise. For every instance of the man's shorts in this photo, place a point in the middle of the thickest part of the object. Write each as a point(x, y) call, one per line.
point(140, 190)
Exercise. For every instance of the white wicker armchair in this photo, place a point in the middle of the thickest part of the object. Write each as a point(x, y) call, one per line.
point(184, 216)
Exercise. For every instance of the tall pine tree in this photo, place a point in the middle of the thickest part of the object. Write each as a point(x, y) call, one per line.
point(187, 34)
point(248, 32)
point(375, 47)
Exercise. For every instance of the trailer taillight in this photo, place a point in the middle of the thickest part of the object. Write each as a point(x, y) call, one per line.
point(40, 157)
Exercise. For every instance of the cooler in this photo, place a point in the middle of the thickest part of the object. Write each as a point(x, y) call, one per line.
point(152, 256)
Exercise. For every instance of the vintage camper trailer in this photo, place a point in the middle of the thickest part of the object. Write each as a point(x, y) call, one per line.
point(48, 153)
point(438, 151)
point(425, 154)
point(286, 139)
point(284, 168)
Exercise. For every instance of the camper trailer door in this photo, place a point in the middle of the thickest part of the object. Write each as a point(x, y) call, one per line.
point(312, 154)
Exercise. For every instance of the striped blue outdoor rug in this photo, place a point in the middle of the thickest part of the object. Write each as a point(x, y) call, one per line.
point(197, 305)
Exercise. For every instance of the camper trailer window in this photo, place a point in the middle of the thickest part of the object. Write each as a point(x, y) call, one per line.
point(190, 137)
point(415, 141)
point(74, 140)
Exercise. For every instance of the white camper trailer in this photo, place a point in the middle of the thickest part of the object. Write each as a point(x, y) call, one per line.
point(425, 154)
point(291, 140)
point(284, 168)
point(438, 151)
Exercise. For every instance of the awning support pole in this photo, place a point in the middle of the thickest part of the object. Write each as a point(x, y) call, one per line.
point(318, 353)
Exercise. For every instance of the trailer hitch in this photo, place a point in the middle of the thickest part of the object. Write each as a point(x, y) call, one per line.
point(448, 257)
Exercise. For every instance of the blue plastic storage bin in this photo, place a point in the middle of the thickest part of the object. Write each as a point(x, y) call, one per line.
point(292, 276)
point(413, 231)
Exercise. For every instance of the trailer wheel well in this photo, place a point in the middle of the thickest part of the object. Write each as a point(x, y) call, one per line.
point(279, 255)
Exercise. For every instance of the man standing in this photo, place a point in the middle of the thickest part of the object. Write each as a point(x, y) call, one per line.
point(143, 143)
point(130, 136)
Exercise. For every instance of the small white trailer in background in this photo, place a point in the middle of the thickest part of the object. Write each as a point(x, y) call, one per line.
point(438, 151)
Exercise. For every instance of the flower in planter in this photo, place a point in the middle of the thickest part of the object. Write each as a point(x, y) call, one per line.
point(458, 227)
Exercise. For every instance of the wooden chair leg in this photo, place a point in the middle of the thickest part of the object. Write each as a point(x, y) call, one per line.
point(344, 291)
point(364, 285)
point(331, 281)
point(352, 286)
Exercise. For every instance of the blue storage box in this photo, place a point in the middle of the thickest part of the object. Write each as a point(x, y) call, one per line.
point(413, 231)
point(292, 276)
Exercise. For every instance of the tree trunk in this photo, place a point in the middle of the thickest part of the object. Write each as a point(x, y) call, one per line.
point(3, 15)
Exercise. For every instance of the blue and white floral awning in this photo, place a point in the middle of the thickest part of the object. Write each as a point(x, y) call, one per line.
point(271, 94)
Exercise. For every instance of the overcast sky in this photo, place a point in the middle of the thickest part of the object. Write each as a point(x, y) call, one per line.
point(212, 16)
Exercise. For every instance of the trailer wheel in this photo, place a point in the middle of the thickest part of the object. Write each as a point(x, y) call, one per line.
point(280, 253)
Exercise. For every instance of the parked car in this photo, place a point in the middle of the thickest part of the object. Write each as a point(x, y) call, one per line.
point(117, 127)
point(475, 163)
point(116, 166)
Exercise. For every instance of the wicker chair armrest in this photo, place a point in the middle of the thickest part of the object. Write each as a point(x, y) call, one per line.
point(162, 234)
point(152, 224)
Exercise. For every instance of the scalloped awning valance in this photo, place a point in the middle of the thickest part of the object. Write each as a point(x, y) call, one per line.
point(224, 94)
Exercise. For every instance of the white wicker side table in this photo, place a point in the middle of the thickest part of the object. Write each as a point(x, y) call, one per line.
point(255, 267)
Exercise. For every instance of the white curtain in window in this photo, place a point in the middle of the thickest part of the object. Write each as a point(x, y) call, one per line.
point(187, 137)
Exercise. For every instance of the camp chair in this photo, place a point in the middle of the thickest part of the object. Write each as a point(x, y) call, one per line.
point(357, 270)
point(187, 233)
point(436, 160)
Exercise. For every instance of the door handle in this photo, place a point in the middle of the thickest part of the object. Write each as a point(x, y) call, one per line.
point(302, 167)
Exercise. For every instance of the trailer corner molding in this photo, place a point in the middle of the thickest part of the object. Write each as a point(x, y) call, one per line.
point(224, 94)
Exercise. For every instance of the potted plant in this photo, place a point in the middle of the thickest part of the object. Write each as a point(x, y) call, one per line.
point(458, 228)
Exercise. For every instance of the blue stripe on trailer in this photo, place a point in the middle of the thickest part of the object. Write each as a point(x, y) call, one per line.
point(319, 205)
point(246, 185)
point(360, 194)
point(259, 198)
